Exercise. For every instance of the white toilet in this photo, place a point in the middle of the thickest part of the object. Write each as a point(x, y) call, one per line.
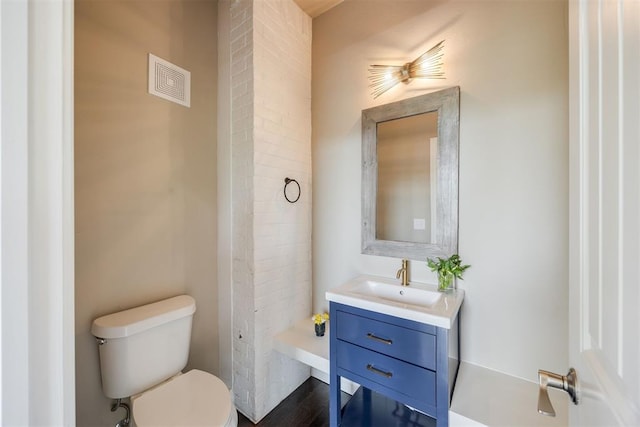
point(142, 353)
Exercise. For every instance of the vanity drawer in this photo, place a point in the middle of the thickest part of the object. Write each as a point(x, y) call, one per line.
point(399, 342)
point(394, 374)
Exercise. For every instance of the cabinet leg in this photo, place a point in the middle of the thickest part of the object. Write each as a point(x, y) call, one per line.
point(335, 403)
point(366, 398)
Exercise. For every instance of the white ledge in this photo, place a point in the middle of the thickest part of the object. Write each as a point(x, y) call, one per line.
point(301, 343)
point(482, 397)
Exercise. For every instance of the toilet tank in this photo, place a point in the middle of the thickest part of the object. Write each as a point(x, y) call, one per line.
point(143, 346)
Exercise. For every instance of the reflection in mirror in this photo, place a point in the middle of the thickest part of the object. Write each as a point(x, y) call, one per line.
point(406, 152)
point(410, 176)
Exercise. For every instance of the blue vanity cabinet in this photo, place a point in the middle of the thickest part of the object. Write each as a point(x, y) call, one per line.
point(409, 362)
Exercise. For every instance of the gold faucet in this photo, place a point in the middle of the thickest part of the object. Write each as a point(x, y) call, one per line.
point(403, 273)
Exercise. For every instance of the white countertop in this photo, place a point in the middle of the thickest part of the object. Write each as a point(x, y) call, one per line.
point(419, 302)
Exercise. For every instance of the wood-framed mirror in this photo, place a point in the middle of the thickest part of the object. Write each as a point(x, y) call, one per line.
point(410, 176)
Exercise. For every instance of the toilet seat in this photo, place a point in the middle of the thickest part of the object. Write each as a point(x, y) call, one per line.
point(196, 398)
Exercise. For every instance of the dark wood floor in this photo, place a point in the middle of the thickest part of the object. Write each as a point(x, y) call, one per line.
point(307, 406)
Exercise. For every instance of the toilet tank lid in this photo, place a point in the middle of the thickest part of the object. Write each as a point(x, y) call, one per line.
point(135, 320)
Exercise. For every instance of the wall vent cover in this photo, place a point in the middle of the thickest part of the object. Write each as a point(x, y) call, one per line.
point(169, 81)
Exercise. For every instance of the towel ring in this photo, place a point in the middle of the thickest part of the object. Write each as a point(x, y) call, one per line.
point(288, 181)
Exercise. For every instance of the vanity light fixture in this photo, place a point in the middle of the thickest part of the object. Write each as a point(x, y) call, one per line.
point(427, 66)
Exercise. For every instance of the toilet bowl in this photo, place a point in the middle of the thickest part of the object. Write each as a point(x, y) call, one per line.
point(142, 353)
point(195, 398)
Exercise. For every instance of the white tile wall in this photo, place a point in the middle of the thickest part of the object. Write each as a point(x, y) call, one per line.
point(241, 42)
point(270, 140)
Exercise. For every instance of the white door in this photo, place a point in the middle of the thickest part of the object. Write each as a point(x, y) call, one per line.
point(605, 211)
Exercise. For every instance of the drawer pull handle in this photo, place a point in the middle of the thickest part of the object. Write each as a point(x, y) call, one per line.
point(379, 372)
point(382, 340)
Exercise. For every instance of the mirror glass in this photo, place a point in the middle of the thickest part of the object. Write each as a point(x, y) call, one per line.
point(410, 177)
point(406, 149)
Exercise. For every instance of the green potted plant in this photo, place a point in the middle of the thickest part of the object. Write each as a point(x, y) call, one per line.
point(447, 269)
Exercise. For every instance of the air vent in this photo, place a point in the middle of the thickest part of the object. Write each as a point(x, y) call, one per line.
point(169, 81)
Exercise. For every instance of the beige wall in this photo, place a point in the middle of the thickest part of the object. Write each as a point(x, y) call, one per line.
point(145, 175)
point(510, 59)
